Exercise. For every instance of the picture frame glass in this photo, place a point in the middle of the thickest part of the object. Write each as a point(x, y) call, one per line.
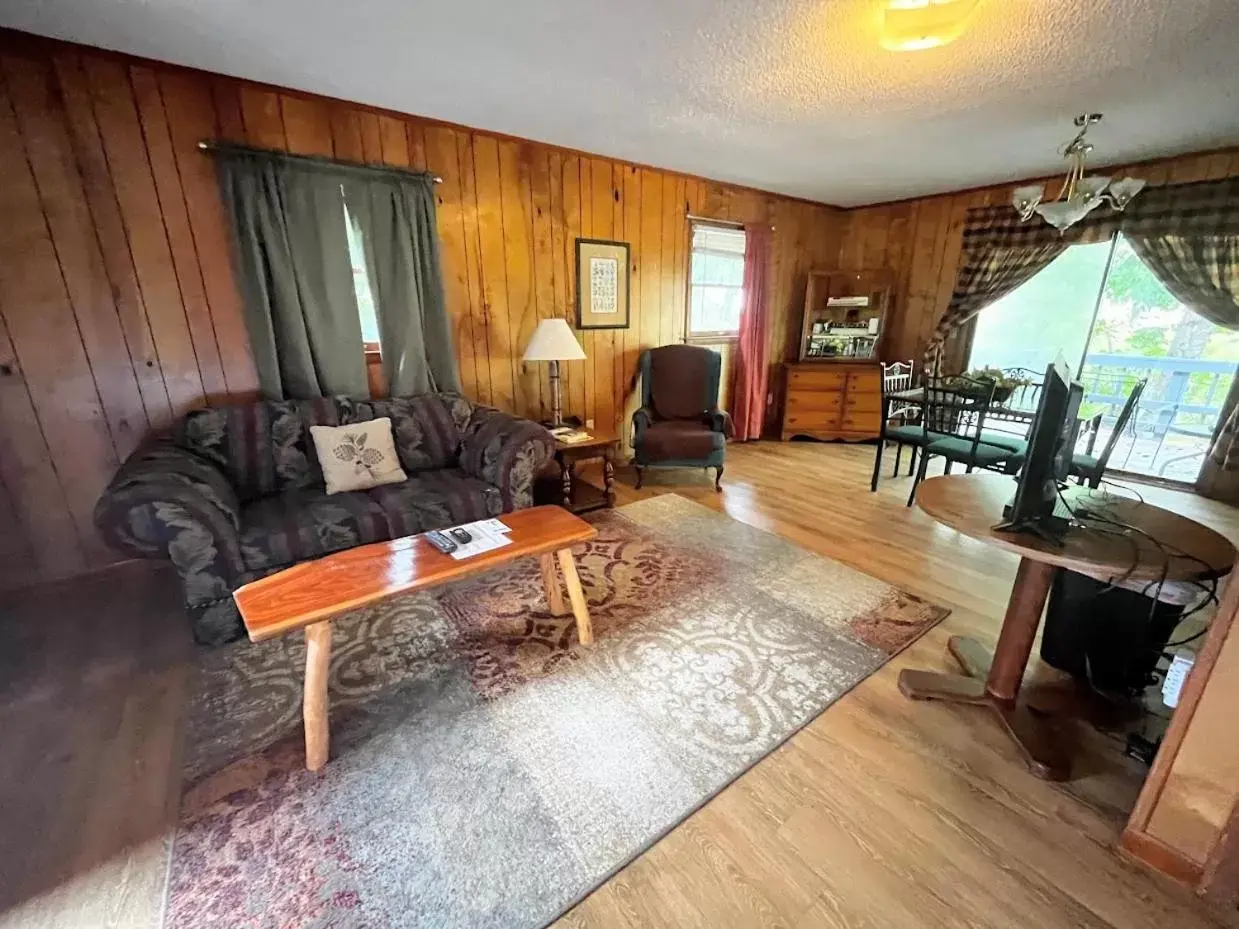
point(602, 299)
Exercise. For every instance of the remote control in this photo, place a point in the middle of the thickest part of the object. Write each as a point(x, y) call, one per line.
point(460, 535)
point(441, 542)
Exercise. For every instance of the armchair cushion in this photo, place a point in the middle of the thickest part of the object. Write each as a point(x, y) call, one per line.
point(678, 440)
point(506, 452)
point(283, 529)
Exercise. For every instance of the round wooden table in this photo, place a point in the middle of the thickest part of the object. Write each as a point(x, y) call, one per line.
point(972, 504)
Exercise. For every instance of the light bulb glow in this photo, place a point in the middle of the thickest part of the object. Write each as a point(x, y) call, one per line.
point(913, 25)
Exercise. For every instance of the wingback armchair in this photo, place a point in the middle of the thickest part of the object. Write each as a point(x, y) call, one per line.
point(679, 424)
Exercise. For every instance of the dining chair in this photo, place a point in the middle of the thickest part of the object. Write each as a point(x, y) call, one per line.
point(952, 421)
point(897, 376)
point(1089, 468)
point(1008, 422)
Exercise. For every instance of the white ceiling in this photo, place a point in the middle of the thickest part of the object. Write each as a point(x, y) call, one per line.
point(794, 96)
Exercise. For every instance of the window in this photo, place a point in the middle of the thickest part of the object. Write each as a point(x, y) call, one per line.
point(1116, 323)
point(361, 284)
point(716, 278)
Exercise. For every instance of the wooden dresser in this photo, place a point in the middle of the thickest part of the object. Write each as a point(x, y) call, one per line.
point(833, 400)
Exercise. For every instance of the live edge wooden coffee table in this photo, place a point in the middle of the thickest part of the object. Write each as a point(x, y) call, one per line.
point(310, 595)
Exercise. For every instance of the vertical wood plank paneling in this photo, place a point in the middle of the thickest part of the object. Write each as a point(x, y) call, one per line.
point(470, 232)
point(42, 124)
point(494, 272)
point(572, 207)
point(569, 371)
point(371, 136)
point(307, 125)
point(393, 141)
point(171, 206)
point(522, 315)
point(260, 114)
point(117, 261)
point(415, 134)
point(678, 213)
point(130, 170)
point(226, 95)
point(192, 118)
point(626, 361)
point(671, 315)
point(346, 133)
point(31, 483)
point(442, 158)
point(653, 189)
point(543, 264)
point(47, 348)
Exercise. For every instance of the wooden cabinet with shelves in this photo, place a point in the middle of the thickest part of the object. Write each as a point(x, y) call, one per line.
point(841, 400)
point(844, 316)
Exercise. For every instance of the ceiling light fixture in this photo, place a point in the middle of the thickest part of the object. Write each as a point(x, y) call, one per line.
point(1079, 195)
point(910, 25)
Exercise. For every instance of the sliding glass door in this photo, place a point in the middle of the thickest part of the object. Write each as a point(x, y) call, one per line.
point(1109, 316)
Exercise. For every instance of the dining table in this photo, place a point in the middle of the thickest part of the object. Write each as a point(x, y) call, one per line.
point(915, 396)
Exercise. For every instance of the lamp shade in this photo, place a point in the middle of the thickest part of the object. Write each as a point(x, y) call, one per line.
point(553, 341)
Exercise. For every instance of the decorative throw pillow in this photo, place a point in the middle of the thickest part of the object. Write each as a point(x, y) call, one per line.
point(357, 457)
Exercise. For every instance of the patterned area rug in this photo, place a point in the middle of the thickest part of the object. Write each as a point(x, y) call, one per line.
point(487, 770)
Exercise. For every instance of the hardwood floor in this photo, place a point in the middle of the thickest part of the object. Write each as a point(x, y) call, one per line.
point(880, 813)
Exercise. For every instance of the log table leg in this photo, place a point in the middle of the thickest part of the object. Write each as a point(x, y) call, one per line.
point(317, 665)
point(584, 628)
point(993, 681)
point(550, 583)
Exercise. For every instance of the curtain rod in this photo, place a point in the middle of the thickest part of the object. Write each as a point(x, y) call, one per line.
point(208, 146)
point(711, 221)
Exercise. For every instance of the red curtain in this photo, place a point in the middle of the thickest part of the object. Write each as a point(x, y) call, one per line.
point(748, 387)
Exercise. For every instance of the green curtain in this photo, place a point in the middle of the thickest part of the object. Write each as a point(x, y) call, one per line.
point(396, 216)
point(296, 276)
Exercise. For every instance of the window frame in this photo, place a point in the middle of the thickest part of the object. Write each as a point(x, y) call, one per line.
point(708, 337)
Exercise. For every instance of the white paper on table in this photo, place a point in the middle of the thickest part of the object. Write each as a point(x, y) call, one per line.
point(486, 538)
point(487, 525)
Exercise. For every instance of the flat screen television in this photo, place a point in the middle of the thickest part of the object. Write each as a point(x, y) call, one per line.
point(1048, 459)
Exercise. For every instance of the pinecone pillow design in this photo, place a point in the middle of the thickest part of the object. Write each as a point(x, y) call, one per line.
point(353, 448)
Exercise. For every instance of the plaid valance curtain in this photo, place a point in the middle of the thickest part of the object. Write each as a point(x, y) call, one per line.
point(1187, 234)
point(1000, 251)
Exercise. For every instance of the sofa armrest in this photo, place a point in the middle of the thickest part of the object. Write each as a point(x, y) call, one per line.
point(507, 452)
point(167, 502)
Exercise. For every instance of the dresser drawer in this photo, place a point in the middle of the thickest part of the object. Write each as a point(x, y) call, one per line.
point(863, 403)
point(867, 423)
point(815, 401)
point(808, 379)
point(810, 422)
point(864, 382)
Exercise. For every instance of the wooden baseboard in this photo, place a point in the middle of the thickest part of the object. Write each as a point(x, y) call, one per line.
point(1148, 851)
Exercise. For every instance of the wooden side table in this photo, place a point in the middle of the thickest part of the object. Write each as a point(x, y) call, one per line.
point(576, 495)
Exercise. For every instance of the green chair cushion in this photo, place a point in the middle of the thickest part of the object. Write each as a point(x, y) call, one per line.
point(1083, 463)
point(1005, 440)
point(911, 435)
point(958, 449)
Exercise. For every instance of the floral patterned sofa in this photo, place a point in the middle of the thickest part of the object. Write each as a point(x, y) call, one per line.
point(235, 493)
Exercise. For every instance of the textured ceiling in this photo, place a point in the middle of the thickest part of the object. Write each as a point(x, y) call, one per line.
point(793, 96)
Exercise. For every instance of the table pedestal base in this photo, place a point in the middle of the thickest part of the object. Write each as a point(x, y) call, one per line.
point(1046, 749)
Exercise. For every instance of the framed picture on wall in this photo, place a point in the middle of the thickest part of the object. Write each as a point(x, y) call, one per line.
point(601, 284)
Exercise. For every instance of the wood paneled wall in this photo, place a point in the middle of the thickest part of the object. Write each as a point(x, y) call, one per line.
point(921, 239)
point(119, 310)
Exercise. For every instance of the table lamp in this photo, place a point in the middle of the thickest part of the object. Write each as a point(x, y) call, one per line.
point(553, 341)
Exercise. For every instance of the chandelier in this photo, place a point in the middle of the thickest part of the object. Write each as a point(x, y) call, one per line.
point(1079, 195)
